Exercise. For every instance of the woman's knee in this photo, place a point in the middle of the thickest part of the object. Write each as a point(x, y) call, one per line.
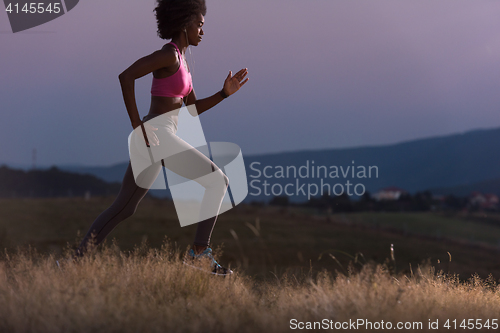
point(122, 210)
point(216, 179)
point(223, 178)
point(129, 211)
point(226, 180)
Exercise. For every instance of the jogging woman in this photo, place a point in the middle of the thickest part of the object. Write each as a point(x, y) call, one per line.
point(182, 22)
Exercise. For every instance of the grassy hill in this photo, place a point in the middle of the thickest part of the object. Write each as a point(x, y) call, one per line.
point(294, 267)
point(262, 241)
point(150, 290)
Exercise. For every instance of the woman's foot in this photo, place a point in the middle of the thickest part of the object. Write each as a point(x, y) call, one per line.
point(196, 260)
point(198, 249)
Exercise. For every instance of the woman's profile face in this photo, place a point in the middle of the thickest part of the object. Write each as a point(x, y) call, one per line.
point(195, 30)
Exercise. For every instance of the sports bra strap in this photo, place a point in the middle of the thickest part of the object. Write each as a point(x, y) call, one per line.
point(175, 47)
point(180, 57)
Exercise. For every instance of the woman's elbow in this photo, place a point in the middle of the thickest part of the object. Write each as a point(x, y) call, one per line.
point(123, 76)
point(125, 79)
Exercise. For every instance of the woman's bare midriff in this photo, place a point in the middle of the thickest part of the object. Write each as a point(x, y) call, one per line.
point(161, 105)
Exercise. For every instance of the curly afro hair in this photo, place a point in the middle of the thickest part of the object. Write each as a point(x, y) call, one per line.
point(173, 16)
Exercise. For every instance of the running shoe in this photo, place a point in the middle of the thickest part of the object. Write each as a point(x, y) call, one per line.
point(196, 261)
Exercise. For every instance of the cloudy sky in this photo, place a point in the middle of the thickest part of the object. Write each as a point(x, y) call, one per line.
point(323, 74)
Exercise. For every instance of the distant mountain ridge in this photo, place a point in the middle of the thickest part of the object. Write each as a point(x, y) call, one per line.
point(51, 183)
point(418, 165)
point(430, 163)
point(113, 173)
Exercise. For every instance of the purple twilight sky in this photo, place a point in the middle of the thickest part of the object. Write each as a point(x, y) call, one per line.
point(323, 74)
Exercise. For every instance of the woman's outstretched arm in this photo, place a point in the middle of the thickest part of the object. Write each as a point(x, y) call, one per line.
point(231, 85)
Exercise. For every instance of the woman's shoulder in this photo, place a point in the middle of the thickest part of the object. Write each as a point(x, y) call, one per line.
point(168, 54)
point(168, 51)
point(164, 58)
point(169, 48)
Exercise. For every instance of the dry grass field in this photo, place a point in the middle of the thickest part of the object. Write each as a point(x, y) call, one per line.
point(293, 269)
point(150, 290)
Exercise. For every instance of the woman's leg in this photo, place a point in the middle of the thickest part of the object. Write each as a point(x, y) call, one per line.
point(123, 207)
point(190, 164)
point(194, 165)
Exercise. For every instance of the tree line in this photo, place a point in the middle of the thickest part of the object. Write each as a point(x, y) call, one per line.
point(53, 182)
point(420, 201)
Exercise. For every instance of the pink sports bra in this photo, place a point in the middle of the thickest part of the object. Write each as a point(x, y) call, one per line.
point(178, 84)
